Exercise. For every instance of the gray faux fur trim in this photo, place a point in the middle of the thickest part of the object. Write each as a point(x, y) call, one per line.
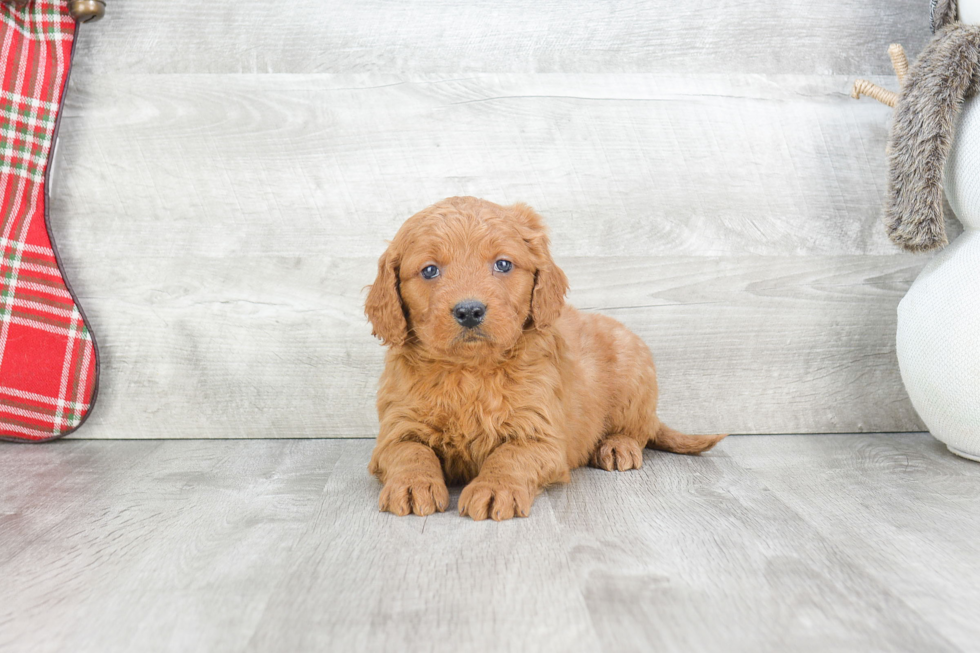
point(943, 76)
point(943, 14)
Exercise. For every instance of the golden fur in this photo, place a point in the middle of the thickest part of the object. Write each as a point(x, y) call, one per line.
point(536, 390)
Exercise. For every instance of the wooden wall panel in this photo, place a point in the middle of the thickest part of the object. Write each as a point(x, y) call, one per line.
point(547, 36)
point(229, 173)
point(279, 347)
point(253, 164)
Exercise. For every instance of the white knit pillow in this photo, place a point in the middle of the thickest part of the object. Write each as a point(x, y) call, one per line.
point(938, 345)
point(938, 339)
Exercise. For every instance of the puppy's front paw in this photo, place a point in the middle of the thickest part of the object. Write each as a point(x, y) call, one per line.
point(497, 499)
point(420, 495)
point(618, 453)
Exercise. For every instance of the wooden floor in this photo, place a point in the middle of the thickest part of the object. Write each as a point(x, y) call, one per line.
point(768, 543)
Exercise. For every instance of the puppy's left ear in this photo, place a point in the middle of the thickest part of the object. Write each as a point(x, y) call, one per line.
point(550, 282)
point(384, 303)
point(550, 286)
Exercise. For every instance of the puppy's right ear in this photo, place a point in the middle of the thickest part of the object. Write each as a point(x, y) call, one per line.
point(550, 283)
point(384, 303)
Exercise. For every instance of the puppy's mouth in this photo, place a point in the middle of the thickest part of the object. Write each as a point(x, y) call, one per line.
point(472, 336)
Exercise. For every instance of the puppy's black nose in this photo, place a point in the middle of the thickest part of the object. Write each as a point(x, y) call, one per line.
point(469, 313)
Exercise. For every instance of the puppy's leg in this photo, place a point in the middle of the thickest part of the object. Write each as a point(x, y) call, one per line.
point(635, 419)
point(618, 452)
point(412, 477)
point(511, 478)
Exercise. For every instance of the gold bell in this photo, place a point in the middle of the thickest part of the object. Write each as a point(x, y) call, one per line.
point(85, 11)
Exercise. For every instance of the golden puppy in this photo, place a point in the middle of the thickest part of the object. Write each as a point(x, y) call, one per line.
point(490, 378)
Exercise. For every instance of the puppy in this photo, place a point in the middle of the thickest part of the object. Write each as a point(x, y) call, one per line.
point(490, 378)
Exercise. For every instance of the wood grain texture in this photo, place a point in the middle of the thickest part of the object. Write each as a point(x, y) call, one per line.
point(697, 554)
point(906, 506)
point(150, 546)
point(229, 173)
point(804, 543)
point(279, 347)
point(691, 37)
point(250, 165)
point(504, 589)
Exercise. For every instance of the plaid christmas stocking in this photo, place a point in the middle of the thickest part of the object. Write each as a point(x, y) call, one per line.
point(48, 361)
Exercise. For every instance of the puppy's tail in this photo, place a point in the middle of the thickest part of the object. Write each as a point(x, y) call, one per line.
point(668, 439)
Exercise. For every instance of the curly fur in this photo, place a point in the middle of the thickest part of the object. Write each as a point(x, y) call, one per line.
point(943, 76)
point(510, 407)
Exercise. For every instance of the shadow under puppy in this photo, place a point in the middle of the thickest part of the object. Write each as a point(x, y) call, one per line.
point(490, 378)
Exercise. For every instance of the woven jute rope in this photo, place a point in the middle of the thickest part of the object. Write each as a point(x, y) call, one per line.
point(899, 61)
point(872, 90)
point(890, 98)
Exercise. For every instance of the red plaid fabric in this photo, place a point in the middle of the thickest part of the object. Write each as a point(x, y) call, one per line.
point(47, 356)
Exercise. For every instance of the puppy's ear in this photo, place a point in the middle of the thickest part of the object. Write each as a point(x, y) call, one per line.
point(550, 283)
point(550, 286)
point(384, 303)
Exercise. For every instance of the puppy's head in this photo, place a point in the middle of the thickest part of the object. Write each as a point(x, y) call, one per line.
point(466, 276)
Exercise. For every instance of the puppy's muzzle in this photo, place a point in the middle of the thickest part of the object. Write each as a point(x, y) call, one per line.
point(469, 313)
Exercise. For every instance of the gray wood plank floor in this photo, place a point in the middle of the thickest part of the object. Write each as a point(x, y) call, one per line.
point(768, 543)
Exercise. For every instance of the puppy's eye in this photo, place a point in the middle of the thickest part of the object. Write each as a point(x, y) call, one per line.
point(430, 272)
point(503, 265)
